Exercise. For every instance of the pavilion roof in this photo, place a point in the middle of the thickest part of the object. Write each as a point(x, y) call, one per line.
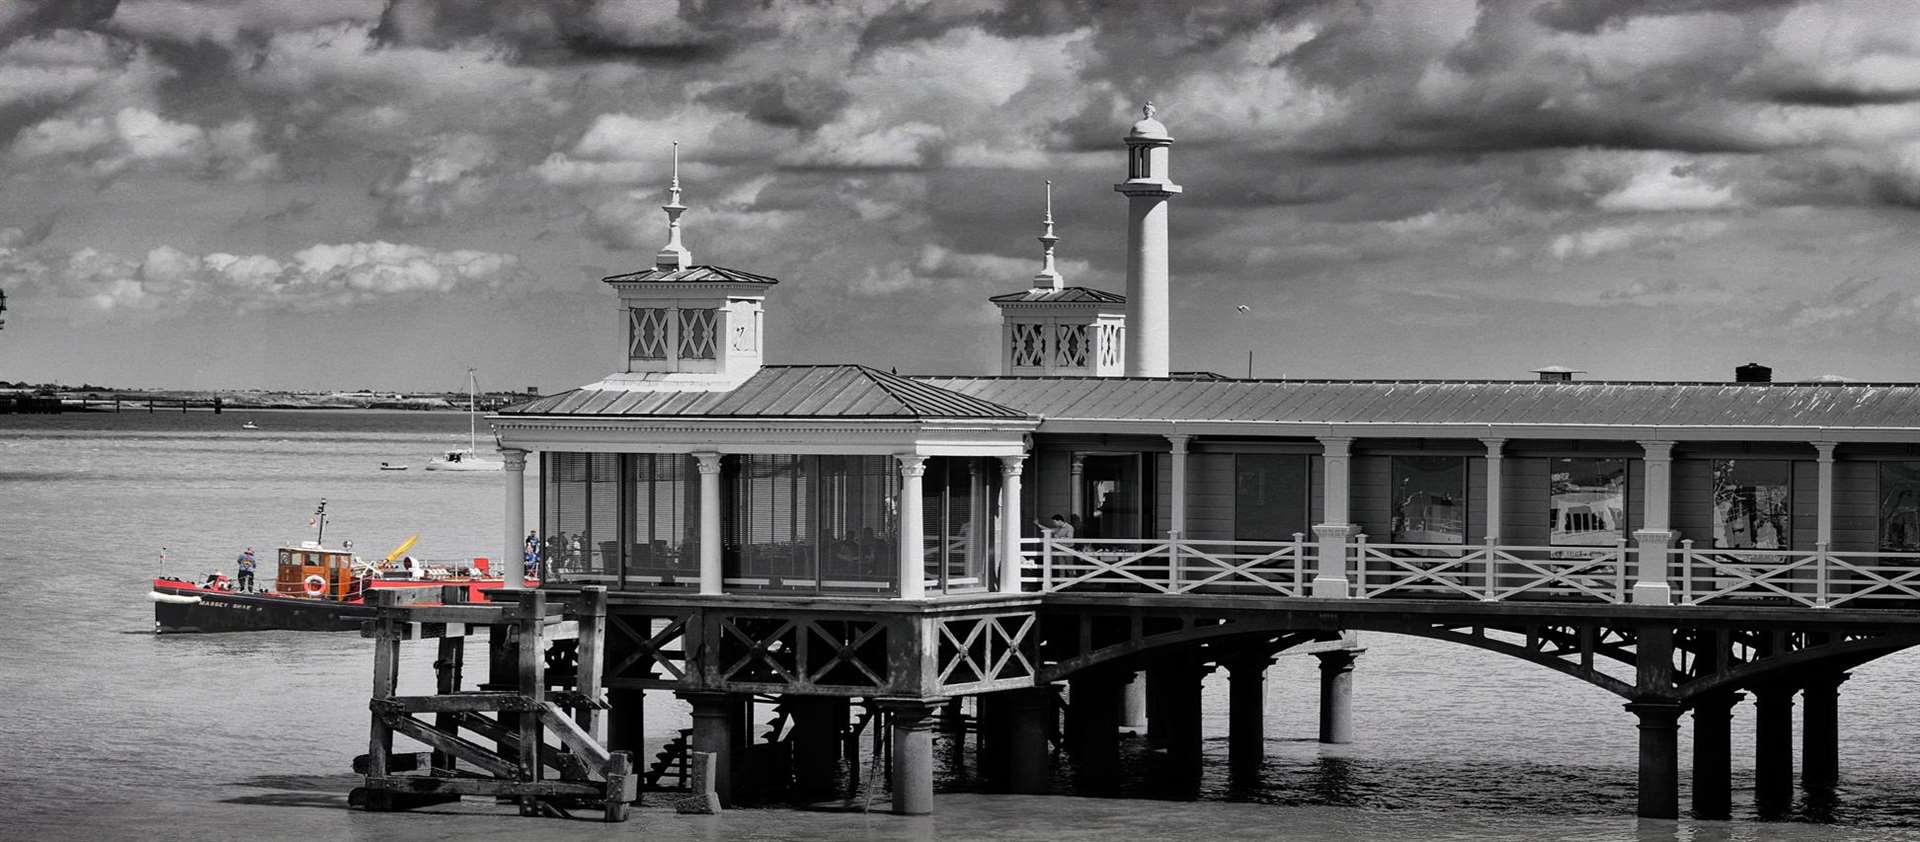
point(1047, 295)
point(1590, 403)
point(787, 391)
point(689, 275)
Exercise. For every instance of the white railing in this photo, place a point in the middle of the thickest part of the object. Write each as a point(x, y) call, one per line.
point(1168, 565)
point(1818, 578)
point(1491, 572)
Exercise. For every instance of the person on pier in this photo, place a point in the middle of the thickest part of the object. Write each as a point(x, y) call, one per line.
point(244, 581)
point(1059, 529)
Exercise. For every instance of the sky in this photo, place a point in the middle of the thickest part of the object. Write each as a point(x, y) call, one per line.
point(381, 193)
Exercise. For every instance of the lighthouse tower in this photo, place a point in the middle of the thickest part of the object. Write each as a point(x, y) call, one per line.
point(1147, 189)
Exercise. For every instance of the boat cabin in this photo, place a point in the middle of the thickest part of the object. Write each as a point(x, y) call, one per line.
point(313, 570)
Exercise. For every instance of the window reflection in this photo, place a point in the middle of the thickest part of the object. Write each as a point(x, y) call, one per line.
point(1429, 500)
point(1751, 500)
point(1588, 503)
point(1900, 507)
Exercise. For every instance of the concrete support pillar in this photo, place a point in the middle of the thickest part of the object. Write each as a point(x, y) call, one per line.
point(627, 722)
point(1031, 714)
point(1651, 584)
point(1659, 758)
point(1173, 713)
point(1011, 523)
point(1093, 721)
point(1247, 712)
point(1820, 731)
point(1133, 704)
point(1336, 695)
point(712, 579)
point(912, 767)
point(1177, 468)
point(913, 548)
point(1772, 749)
point(513, 555)
point(817, 723)
point(715, 722)
point(1496, 450)
point(1330, 581)
point(1713, 755)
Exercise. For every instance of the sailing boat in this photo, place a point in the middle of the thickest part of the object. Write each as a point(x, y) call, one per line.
point(468, 459)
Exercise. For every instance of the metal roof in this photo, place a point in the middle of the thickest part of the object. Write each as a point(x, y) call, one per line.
point(1048, 295)
point(798, 391)
point(689, 275)
point(1595, 403)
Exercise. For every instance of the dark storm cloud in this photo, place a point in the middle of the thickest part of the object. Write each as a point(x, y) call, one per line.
point(26, 17)
point(1590, 16)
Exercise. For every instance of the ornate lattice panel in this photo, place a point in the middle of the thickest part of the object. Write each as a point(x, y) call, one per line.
point(1029, 345)
point(803, 652)
point(647, 333)
point(982, 652)
point(697, 336)
point(1110, 345)
point(1071, 346)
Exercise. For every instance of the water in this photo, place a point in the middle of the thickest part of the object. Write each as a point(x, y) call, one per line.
point(107, 731)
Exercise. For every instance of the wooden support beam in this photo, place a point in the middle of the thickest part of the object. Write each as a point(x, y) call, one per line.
point(470, 700)
point(574, 737)
point(531, 667)
point(591, 614)
point(488, 786)
point(468, 751)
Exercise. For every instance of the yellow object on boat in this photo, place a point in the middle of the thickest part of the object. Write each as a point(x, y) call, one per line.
point(404, 547)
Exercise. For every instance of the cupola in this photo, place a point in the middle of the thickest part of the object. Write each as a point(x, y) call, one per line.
point(687, 327)
point(1052, 329)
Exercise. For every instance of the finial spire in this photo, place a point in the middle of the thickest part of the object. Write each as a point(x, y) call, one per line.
point(1049, 277)
point(1147, 110)
point(674, 255)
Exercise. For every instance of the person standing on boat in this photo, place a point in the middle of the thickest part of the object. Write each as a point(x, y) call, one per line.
point(245, 580)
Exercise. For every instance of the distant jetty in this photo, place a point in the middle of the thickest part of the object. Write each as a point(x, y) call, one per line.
point(54, 399)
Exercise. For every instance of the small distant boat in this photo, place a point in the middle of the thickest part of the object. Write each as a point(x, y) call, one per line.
point(391, 467)
point(468, 459)
point(249, 426)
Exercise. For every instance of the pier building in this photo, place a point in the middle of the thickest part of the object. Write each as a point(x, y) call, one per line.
point(822, 535)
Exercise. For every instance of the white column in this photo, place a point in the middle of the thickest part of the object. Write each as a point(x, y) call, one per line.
point(1177, 521)
point(1010, 523)
point(1077, 492)
point(1651, 585)
point(913, 549)
point(711, 541)
point(1495, 515)
point(1332, 531)
point(1823, 528)
point(1147, 284)
point(513, 561)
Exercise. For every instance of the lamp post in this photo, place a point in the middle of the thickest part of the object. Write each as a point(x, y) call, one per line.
point(1243, 309)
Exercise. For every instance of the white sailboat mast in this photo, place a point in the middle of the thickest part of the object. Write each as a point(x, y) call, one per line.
point(473, 440)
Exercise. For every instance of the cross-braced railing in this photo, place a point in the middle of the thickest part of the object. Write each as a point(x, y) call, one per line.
point(1168, 565)
point(1491, 571)
point(1820, 578)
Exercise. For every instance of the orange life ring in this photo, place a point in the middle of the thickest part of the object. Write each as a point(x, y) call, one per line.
point(316, 585)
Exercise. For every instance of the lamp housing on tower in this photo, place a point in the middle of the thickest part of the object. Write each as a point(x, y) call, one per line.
point(694, 329)
point(1069, 331)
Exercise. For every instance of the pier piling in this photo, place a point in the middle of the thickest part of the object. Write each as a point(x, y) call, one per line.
point(1336, 695)
point(912, 767)
point(1659, 758)
point(1247, 712)
point(1713, 755)
point(1773, 749)
point(1820, 731)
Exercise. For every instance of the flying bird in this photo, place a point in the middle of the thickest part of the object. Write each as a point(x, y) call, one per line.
point(1243, 308)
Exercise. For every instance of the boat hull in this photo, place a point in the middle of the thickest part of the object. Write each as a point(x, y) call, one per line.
point(464, 465)
point(208, 611)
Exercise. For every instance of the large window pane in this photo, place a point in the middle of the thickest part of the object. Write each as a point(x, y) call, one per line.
point(947, 512)
point(1751, 504)
point(1588, 502)
point(1429, 500)
point(567, 529)
point(601, 543)
point(858, 523)
point(770, 542)
point(1269, 497)
point(1900, 507)
point(663, 526)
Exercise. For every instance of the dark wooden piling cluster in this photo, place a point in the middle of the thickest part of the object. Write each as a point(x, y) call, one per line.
point(529, 733)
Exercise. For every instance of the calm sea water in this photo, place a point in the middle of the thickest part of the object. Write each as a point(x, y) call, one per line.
point(107, 731)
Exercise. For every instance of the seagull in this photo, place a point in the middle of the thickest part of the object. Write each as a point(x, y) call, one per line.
point(1243, 308)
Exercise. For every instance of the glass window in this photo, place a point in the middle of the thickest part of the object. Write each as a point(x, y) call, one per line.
point(1751, 504)
point(771, 541)
point(1269, 497)
point(1900, 507)
point(647, 333)
point(567, 533)
point(1587, 506)
point(1429, 500)
point(859, 518)
point(947, 513)
point(663, 519)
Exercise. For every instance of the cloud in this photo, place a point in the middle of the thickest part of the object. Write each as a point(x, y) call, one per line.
point(445, 175)
point(320, 278)
point(1640, 236)
point(134, 138)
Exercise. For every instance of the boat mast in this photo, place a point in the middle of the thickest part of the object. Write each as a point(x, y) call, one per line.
point(320, 520)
